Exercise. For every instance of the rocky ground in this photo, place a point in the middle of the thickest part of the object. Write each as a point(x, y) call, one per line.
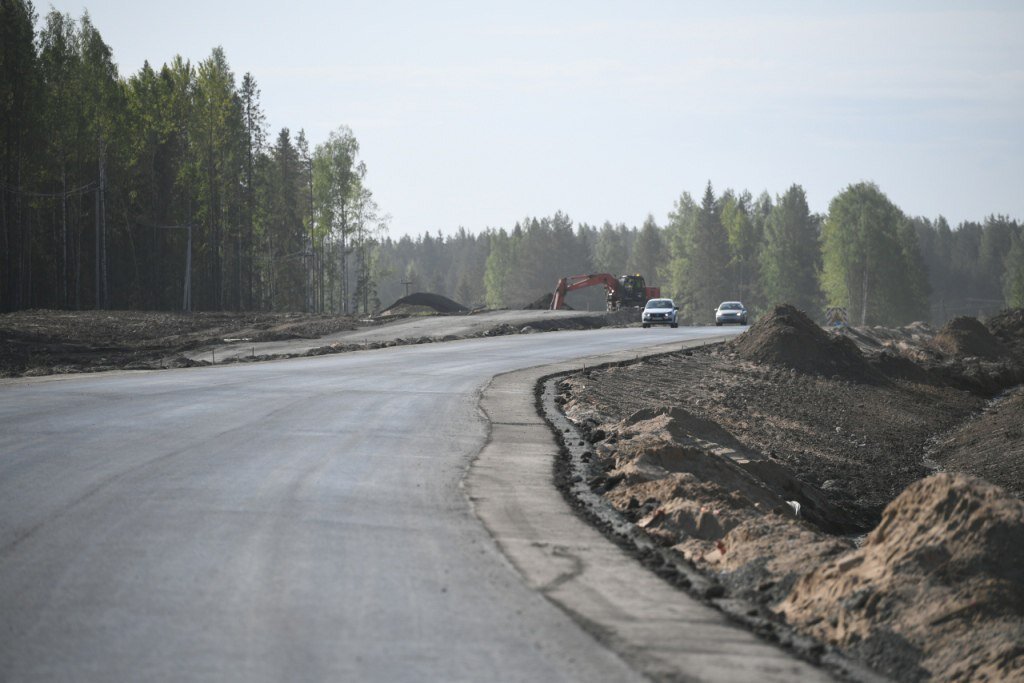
point(864, 486)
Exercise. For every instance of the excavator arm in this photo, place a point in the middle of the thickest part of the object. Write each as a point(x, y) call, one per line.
point(574, 282)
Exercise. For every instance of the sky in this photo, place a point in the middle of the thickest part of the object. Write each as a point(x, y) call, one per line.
point(478, 114)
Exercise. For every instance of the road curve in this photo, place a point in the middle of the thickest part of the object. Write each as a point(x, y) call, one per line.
point(291, 520)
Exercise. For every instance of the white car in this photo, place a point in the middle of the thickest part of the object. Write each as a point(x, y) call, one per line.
point(660, 312)
point(731, 312)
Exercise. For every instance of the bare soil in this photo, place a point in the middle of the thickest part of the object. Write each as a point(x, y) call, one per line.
point(797, 467)
point(419, 303)
point(38, 342)
point(43, 342)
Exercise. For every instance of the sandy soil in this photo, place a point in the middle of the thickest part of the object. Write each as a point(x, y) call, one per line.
point(797, 468)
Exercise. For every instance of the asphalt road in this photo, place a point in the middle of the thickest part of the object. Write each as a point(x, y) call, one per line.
point(292, 520)
point(415, 327)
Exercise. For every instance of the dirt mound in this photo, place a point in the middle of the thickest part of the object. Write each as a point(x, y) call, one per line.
point(966, 336)
point(1008, 327)
point(542, 303)
point(425, 300)
point(789, 338)
point(652, 444)
point(936, 591)
point(763, 557)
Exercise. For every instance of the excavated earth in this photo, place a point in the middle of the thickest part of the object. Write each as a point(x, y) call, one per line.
point(861, 485)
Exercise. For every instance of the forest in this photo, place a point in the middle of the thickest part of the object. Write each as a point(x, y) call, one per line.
point(164, 190)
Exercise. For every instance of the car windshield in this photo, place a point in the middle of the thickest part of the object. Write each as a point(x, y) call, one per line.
point(659, 303)
point(731, 307)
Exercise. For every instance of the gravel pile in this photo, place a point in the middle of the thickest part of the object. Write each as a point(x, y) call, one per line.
point(419, 302)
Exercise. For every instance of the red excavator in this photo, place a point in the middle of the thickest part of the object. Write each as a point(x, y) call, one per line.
point(622, 292)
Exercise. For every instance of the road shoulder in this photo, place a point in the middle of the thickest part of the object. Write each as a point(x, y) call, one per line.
point(659, 630)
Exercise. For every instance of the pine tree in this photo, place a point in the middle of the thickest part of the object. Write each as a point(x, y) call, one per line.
point(791, 258)
point(709, 260)
point(745, 242)
point(19, 135)
point(650, 256)
point(1013, 273)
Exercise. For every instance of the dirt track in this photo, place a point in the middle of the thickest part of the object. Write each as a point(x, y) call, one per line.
point(42, 342)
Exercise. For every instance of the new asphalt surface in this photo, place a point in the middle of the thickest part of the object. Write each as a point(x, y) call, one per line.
point(293, 520)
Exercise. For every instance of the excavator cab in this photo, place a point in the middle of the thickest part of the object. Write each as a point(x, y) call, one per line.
point(632, 291)
point(633, 286)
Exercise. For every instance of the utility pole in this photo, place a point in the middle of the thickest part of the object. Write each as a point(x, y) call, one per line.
point(406, 286)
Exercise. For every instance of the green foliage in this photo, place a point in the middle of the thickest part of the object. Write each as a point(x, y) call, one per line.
point(104, 178)
point(100, 176)
point(20, 133)
point(871, 266)
point(498, 273)
point(610, 249)
point(680, 230)
point(649, 256)
point(1013, 275)
point(746, 235)
point(700, 257)
point(791, 258)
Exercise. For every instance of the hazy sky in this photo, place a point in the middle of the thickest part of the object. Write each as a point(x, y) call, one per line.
point(477, 113)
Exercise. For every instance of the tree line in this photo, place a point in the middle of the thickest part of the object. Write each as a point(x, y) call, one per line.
point(864, 254)
point(164, 190)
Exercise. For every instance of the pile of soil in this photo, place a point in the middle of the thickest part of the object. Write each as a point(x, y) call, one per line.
point(983, 359)
point(542, 303)
point(862, 443)
point(936, 591)
point(787, 337)
point(651, 444)
point(1008, 328)
point(424, 302)
point(965, 336)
